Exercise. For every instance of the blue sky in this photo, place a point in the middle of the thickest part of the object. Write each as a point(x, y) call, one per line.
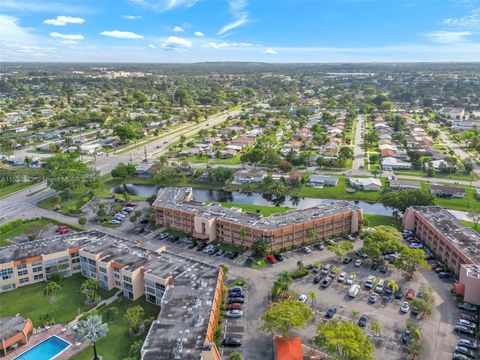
point(239, 30)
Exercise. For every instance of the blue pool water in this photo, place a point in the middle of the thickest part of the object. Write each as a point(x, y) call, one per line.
point(46, 350)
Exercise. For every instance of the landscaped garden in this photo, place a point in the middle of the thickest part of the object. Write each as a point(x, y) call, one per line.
point(30, 302)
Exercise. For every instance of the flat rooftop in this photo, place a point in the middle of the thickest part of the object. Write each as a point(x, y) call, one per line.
point(181, 327)
point(462, 237)
point(11, 326)
point(47, 246)
point(170, 198)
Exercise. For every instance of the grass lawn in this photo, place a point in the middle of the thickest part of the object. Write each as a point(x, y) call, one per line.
point(230, 247)
point(116, 344)
point(377, 220)
point(10, 189)
point(260, 264)
point(232, 161)
point(262, 209)
point(456, 176)
point(77, 199)
point(466, 203)
point(29, 301)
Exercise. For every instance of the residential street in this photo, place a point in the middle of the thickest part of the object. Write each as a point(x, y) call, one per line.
point(358, 152)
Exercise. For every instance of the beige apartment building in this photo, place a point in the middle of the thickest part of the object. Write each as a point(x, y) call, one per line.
point(188, 292)
point(175, 209)
point(458, 246)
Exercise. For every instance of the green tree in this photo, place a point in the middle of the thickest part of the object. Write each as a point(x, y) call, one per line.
point(260, 248)
point(376, 327)
point(51, 290)
point(392, 285)
point(355, 314)
point(134, 317)
point(236, 355)
point(423, 306)
point(381, 240)
point(344, 340)
point(312, 234)
point(285, 315)
point(313, 296)
point(135, 350)
point(474, 214)
point(341, 248)
point(122, 171)
point(403, 199)
point(82, 220)
point(89, 289)
point(345, 152)
point(92, 329)
point(111, 314)
point(414, 348)
point(410, 260)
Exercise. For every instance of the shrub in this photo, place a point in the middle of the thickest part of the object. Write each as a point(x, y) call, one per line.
point(299, 273)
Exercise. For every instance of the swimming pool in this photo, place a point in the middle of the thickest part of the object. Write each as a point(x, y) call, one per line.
point(46, 350)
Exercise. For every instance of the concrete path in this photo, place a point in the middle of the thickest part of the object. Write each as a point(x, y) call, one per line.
point(102, 303)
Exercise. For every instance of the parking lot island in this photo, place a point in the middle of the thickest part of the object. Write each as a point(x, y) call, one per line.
point(175, 209)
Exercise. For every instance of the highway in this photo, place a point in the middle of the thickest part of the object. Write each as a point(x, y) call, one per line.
point(21, 204)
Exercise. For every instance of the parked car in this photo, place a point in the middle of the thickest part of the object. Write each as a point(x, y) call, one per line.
point(369, 282)
point(466, 323)
point(316, 279)
point(351, 279)
point(468, 307)
point(234, 314)
point(114, 222)
point(330, 312)
point(347, 260)
point(390, 257)
point(319, 246)
point(326, 282)
point(380, 286)
point(278, 257)
point(383, 269)
point(271, 259)
point(460, 329)
point(303, 298)
point(192, 245)
point(469, 317)
point(362, 322)
point(235, 300)
point(162, 236)
point(234, 306)
point(373, 298)
point(405, 307)
point(326, 269)
point(330, 242)
point(342, 276)
point(354, 290)
point(234, 342)
point(234, 255)
point(399, 293)
point(464, 351)
point(406, 337)
point(374, 266)
point(360, 254)
point(410, 294)
point(445, 275)
point(358, 262)
point(306, 250)
point(414, 311)
point(468, 343)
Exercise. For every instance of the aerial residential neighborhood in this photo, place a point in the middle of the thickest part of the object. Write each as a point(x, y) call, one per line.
point(239, 180)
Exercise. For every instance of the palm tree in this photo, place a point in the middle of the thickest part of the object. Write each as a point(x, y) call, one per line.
point(376, 328)
point(355, 314)
point(51, 290)
point(312, 296)
point(285, 277)
point(92, 329)
point(312, 234)
point(392, 285)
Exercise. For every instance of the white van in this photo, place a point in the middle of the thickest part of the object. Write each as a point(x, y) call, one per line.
point(326, 269)
point(354, 290)
point(380, 286)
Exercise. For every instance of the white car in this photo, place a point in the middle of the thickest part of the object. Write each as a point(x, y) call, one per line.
point(351, 279)
point(358, 262)
point(415, 246)
point(114, 222)
point(303, 298)
point(342, 277)
point(354, 290)
point(120, 215)
point(405, 307)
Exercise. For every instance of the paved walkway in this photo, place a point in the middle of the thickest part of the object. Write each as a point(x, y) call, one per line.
point(102, 303)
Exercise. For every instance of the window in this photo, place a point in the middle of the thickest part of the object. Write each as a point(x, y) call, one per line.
point(38, 277)
point(102, 269)
point(8, 287)
point(24, 280)
point(22, 272)
point(6, 273)
point(37, 269)
point(128, 286)
point(126, 278)
point(22, 266)
point(36, 263)
point(118, 284)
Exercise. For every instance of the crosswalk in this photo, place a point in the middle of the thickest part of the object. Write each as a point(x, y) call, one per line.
point(12, 209)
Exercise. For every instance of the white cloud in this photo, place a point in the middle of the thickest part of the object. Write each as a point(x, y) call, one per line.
point(64, 20)
point(151, 46)
point(199, 34)
point(131, 17)
point(164, 5)
point(69, 42)
point(471, 21)
point(224, 44)
point(448, 37)
point(175, 42)
point(121, 34)
point(237, 9)
point(177, 29)
point(270, 51)
point(67, 36)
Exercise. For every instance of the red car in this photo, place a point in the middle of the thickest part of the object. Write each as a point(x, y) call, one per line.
point(271, 259)
point(234, 306)
point(63, 229)
point(410, 294)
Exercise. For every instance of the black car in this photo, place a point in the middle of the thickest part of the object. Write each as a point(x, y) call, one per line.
point(236, 300)
point(445, 275)
point(201, 247)
point(362, 322)
point(316, 279)
point(278, 257)
point(236, 293)
point(234, 255)
point(388, 291)
point(214, 251)
point(319, 246)
point(406, 337)
point(374, 266)
point(347, 260)
point(232, 342)
point(330, 312)
point(399, 294)
point(174, 239)
point(361, 254)
point(192, 245)
point(383, 269)
point(414, 311)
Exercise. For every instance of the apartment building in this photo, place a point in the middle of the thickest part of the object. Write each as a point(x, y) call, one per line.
point(189, 292)
point(175, 209)
point(456, 245)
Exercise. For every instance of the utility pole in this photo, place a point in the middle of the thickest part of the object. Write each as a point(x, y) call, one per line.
point(145, 150)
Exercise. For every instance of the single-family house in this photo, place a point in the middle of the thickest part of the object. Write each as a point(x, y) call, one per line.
point(393, 163)
point(249, 176)
point(320, 181)
point(396, 185)
point(447, 191)
point(144, 169)
point(366, 184)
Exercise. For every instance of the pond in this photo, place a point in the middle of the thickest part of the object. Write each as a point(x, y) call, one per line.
point(135, 189)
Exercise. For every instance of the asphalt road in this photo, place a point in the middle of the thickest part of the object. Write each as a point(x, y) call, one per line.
point(358, 152)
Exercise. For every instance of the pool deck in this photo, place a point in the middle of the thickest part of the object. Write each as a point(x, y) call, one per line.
point(57, 330)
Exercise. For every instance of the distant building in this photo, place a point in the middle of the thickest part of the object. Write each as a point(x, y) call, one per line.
point(447, 191)
point(393, 163)
point(396, 185)
point(452, 113)
point(321, 181)
point(144, 169)
point(249, 176)
point(366, 184)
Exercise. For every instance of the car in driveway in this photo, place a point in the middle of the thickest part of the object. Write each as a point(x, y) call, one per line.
point(372, 299)
point(233, 342)
point(362, 322)
point(467, 307)
point(326, 282)
point(303, 298)
point(410, 294)
point(234, 314)
point(405, 307)
point(358, 262)
point(351, 278)
point(460, 329)
point(468, 343)
point(330, 312)
point(464, 351)
point(271, 259)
